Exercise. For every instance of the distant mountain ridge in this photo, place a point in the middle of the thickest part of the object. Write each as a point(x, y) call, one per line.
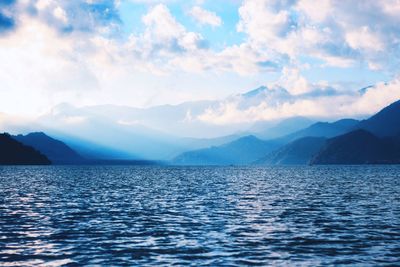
point(239, 152)
point(358, 147)
point(346, 141)
point(267, 130)
point(13, 152)
point(374, 140)
point(298, 152)
point(385, 123)
point(324, 129)
point(57, 151)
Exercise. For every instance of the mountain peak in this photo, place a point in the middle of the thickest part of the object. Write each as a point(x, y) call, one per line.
point(255, 91)
point(57, 151)
point(37, 134)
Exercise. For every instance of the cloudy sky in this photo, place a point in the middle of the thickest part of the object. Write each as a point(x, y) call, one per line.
point(147, 52)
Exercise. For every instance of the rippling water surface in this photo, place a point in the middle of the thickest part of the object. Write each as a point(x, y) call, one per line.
point(71, 216)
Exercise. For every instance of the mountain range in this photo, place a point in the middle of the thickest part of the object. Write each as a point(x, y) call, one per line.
point(298, 152)
point(13, 152)
point(385, 123)
point(358, 147)
point(56, 151)
point(242, 151)
point(70, 138)
point(346, 141)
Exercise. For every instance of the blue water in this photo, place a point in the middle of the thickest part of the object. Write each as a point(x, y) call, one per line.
point(308, 216)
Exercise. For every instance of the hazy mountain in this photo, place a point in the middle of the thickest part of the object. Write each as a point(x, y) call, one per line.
point(199, 143)
point(358, 147)
point(324, 129)
point(131, 138)
point(384, 123)
point(55, 150)
point(122, 129)
point(93, 151)
point(13, 152)
point(242, 151)
point(162, 132)
point(270, 130)
point(171, 120)
point(298, 152)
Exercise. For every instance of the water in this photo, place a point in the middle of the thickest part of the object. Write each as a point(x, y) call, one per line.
point(54, 216)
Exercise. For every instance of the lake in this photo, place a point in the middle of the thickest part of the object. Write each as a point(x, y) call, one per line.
point(218, 216)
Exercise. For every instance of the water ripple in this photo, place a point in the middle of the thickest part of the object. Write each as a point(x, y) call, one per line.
point(315, 216)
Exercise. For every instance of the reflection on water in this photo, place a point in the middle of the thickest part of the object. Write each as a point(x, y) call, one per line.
point(55, 216)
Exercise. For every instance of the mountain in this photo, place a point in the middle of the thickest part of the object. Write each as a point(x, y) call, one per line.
point(385, 123)
point(267, 130)
point(13, 152)
point(239, 152)
point(324, 129)
point(298, 152)
point(358, 147)
point(374, 140)
point(55, 150)
point(133, 131)
point(200, 143)
point(93, 151)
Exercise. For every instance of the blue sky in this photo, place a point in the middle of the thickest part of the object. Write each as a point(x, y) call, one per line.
point(143, 53)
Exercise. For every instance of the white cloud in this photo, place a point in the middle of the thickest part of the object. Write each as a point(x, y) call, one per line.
point(262, 23)
point(230, 113)
point(65, 54)
point(60, 14)
point(203, 16)
point(74, 119)
point(377, 97)
point(337, 32)
point(364, 39)
point(316, 11)
point(392, 8)
point(152, 2)
point(165, 35)
point(294, 82)
point(344, 104)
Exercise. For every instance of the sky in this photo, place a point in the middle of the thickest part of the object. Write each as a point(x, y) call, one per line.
point(142, 53)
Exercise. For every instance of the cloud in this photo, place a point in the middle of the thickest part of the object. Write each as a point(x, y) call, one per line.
point(363, 39)
point(164, 34)
point(376, 97)
point(316, 11)
point(337, 32)
point(277, 34)
point(62, 50)
point(205, 17)
point(43, 67)
point(91, 16)
point(321, 102)
point(292, 80)
point(151, 2)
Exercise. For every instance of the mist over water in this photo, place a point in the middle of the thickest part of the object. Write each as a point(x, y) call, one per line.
point(105, 215)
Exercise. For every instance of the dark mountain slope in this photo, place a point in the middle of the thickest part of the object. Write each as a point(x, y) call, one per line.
point(385, 123)
point(57, 151)
point(358, 147)
point(242, 151)
point(13, 152)
point(323, 129)
point(298, 152)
